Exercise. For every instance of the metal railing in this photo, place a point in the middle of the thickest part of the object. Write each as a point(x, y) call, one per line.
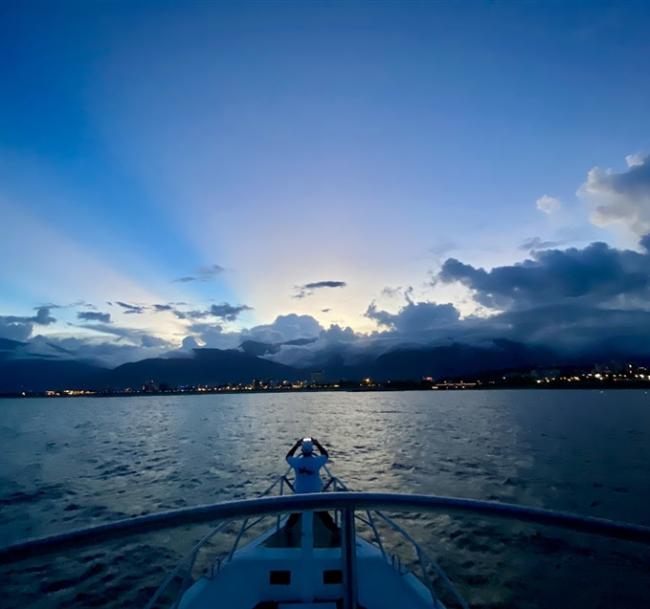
point(397, 502)
point(342, 501)
point(186, 565)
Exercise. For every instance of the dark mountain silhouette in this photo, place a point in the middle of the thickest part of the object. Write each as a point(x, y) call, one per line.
point(8, 347)
point(205, 366)
point(38, 374)
point(215, 366)
point(458, 359)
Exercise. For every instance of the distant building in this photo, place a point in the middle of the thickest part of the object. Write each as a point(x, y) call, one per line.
point(317, 377)
point(150, 387)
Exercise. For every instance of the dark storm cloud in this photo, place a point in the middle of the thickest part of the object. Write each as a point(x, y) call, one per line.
point(589, 332)
point(131, 309)
point(203, 274)
point(308, 288)
point(94, 316)
point(596, 275)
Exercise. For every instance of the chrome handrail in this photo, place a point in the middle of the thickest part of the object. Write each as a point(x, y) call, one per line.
point(395, 502)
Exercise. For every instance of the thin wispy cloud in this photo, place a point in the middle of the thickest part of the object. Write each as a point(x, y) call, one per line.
point(308, 289)
point(161, 308)
point(135, 336)
point(224, 311)
point(94, 316)
point(537, 243)
point(206, 273)
point(228, 312)
point(131, 309)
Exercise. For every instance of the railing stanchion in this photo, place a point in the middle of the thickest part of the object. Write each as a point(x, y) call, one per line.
point(349, 556)
point(375, 532)
point(277, 521)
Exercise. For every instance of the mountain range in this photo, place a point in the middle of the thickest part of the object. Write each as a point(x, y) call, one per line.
point(22, 371)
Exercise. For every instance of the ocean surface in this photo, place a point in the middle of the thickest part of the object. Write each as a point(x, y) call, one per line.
point(68, 463)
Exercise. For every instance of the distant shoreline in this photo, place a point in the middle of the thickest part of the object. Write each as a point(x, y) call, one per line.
point(59, 394)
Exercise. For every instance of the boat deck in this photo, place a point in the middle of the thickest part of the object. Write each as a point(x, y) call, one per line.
point(326, 533)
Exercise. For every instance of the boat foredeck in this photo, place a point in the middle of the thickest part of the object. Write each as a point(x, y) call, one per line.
point(326, 533)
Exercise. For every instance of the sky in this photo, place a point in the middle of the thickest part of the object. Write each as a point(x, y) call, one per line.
point(175, 175)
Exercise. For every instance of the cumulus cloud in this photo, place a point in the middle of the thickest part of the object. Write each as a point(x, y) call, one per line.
point(548, 205)
point(337, 333)
point(634, 160)
point(308, 289)
point(213, 336)
point(202, 274)
point(620, 198)
point(285, 328)
point(94, 316)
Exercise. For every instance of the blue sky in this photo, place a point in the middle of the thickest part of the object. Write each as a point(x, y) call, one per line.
point(296, 143)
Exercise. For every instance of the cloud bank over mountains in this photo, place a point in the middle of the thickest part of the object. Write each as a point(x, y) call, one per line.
point(589, 302)
point(579, 302)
